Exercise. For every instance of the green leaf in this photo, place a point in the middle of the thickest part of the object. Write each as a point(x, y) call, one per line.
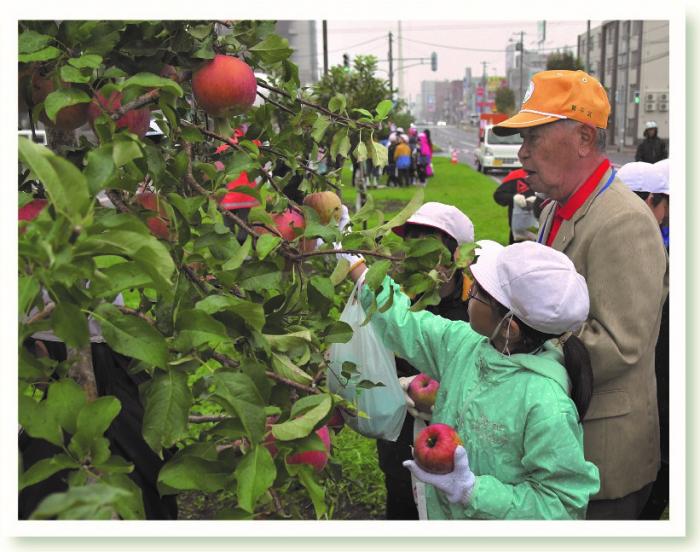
point(63, 182)
point(340, 145)
point(377, 152)
point(337, 332)
point(239, 393)
point(191, 473)
point(319, 127)
point(28, 290)
point(31, 41)
point(340, 272)
point(273, 49)
point(94, 502)
point(283, 366)
point(39, 421)
point(375, 274)
point(360, 152)
point(302, 426)
point(70, 324)
point(266, 244)
point(337, 103)
point(324, 286)
point(254, 474)
point(402, 216)
point(196, 328)
point(383, 108)
point(117, 278)
point(128, 507)
point(125, 150)
point(363, 112)
point(63, 97)
point(93, 420)
point(149, 80)
point(100, 168)
point(252, 314)
point(45, 54)
point(150, 254)
point(72, 74)
point(132, 336)
point(167, 400)
point(241, 254)
point(45, 468)
point(86, 61)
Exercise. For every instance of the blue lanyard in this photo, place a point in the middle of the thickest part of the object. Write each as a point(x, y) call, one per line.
point(607, 185)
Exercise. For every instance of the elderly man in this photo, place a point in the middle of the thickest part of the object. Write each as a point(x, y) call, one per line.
point(614, 242)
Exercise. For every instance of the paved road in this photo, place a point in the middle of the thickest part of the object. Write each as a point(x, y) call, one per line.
point(465, 140)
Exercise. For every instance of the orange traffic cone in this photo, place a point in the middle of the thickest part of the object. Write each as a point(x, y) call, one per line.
point(454, 156)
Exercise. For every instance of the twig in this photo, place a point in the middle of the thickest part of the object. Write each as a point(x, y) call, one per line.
point(363, 252)
point(145, 99)
point(116, 199)
point(41, 314)
point(81, 370)
point(320, 108)
point(276, 104)
point(195, 419)
point(134, 312)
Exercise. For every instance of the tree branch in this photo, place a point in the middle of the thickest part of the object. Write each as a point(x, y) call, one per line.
point(41, 314)
point(320, 108)
point(81, 370)
point(145, 99)
point(363, 252)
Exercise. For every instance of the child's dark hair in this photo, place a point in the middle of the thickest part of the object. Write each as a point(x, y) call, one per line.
point(577, 361)
point(655, 198)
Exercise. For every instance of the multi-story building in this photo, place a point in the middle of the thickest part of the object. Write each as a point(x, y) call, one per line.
point(520, 68)
point(631, 60)
point(443, 101)
point(301, 35)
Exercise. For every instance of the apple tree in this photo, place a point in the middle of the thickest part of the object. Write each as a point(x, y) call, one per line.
point(228, 314)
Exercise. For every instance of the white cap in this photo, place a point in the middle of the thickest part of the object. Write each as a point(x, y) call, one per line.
point(650, 124)
point(639, 176)
point(536, 283)
point(447, 218)
point(663, 167)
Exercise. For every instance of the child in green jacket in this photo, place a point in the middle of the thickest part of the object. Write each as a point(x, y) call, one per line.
point(514, 382)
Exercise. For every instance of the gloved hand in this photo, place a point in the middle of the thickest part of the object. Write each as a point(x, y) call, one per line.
point(457, 485)
point(520, 201)
point(531, 200)
point(404, 382)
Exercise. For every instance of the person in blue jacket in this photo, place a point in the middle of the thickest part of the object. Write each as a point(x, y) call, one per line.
point(515, 383)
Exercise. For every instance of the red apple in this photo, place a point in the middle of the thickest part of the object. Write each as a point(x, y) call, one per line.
point(285, 223)
point(224, 86)
point(68, 118)
point(238, 199)
point(159, 227)
point(137, 120)
point(150, 201)
point(336, 421)
point(314, 458)
point(32, 209)
point(423, 390)
point(435, 448)
point(326, 204)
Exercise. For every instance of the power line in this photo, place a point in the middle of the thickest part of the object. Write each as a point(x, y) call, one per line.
point(501, 51)
point(359, 44)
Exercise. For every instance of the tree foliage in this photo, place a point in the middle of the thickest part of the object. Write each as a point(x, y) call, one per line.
point(564, 60)
point(231, 328)
point(505, 100)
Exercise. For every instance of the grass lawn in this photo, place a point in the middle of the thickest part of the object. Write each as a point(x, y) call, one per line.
point(454, 184)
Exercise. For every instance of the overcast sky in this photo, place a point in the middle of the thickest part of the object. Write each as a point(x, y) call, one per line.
point(458, 44)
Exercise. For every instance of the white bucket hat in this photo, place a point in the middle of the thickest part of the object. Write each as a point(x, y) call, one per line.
point(444, 217)
point(536, 283)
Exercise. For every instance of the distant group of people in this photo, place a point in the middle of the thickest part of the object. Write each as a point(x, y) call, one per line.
point(410, 157)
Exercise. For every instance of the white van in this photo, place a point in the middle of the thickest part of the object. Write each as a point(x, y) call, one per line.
point(497, 152)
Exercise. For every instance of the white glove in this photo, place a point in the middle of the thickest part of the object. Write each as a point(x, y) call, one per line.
point(457, 485)
point(344, 219)
point(531, 200)
point(404, 382)
point(520, 201)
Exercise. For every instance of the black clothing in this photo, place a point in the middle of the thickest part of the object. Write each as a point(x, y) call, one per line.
point(399, 491)
point(124, 434)
point(504, 196)
point(651, 150)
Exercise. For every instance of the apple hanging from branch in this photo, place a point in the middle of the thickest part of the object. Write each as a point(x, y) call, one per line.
point(224, 86)
point(136, 120)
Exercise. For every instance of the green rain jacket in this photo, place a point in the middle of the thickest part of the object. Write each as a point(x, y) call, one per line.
point(513, 413)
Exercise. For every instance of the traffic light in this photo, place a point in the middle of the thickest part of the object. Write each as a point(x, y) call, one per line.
point(346, 62)
point(433, 61)
point(636, 96)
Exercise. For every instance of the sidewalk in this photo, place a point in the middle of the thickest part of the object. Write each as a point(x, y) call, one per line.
point(619, 158)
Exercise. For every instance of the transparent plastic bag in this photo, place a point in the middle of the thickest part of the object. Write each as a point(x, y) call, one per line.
point(384, 405)
point(523, 223)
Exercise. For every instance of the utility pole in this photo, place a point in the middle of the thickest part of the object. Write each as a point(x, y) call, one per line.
point(522, 61)
point(625, 95)
point(401, 83)
point(325, 47)
point(391, 66)
point(588, 46)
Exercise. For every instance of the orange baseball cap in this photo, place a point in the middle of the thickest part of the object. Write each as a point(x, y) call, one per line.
point(557, 95)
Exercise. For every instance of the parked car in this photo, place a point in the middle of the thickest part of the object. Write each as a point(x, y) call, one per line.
point(474, 119)
point(441, 123)
point(497, 152)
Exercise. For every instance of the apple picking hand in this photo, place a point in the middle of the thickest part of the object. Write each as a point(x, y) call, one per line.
point(531, 200)
point(457, 485)
point(520, 201)
point(405, 382)
point(344, 219)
